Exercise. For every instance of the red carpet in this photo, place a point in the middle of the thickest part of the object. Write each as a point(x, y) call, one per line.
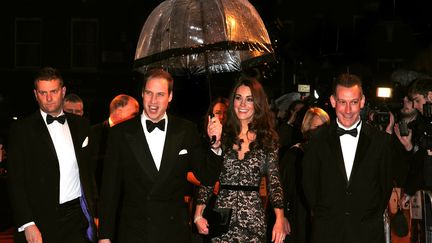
point(7, 236)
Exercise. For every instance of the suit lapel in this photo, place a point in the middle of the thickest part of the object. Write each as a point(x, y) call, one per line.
point(173, 136)
point(336, 147)
point(76, 138)
point(362, 147)
point(138, 143)
point(43, 133)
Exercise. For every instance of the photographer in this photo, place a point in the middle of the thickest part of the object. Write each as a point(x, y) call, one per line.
point(420, 173)
point(401, 140)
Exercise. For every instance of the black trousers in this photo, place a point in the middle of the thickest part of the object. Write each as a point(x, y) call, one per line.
point(71, 226)
point(72, 222)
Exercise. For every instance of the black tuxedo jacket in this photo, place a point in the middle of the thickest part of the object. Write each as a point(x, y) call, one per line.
point(34, 177)
point(343, 210)
point(138, 202)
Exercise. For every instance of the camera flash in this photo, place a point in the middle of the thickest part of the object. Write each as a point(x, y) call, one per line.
point(384, 92)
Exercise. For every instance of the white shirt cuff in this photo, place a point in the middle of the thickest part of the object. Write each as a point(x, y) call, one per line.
point(22, 228)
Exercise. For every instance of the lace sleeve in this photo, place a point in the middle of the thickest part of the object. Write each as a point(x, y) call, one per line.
point(203, 195)
point(274, 186)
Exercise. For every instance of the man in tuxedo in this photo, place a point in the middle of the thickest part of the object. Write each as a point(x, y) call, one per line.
point(50, 184)
point(145, 168)
point(122, 107)
point(346, 175)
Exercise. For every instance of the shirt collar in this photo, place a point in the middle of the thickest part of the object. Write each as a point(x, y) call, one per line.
point(110, 122)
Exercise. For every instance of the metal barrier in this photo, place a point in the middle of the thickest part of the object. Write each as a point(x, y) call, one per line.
point(421, 217)
point(420, 207)
point(427, 215)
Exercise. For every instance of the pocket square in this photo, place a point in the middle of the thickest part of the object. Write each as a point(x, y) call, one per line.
point(85, 143)
point(183, 151)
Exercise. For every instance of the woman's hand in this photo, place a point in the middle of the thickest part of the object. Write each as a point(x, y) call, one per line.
point(200, 222)
point(202, 225)
point(214, 128)
point(279, 231)
point(287, 226)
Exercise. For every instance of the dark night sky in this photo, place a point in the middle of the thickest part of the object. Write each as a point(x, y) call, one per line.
point(313, 39)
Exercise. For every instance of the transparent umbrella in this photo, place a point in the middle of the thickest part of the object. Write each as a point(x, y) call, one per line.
point(202, 37)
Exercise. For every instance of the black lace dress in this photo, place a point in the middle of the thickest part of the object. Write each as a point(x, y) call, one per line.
point(248, 222)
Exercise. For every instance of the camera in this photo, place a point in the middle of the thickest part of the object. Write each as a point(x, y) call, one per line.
point(403, 128)
point(381, 117)
point(379, 113)
point(424, 127)
point(380, 107)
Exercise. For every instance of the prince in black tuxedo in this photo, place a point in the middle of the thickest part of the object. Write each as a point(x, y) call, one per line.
point(50, 184)
point(347, 172)
point(145, 169)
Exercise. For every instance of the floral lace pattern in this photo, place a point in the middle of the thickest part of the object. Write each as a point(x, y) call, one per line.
point(248, 219)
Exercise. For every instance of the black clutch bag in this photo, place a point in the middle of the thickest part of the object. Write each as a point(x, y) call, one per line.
point(398, 222)
point(218, 220)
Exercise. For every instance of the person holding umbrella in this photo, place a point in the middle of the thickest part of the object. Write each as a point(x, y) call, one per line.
point(249, 143)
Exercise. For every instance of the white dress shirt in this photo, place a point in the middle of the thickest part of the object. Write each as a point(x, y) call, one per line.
point(155, 139)
point(349, 146)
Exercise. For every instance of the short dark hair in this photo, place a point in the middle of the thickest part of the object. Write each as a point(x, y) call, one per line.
point(420, 86)
point(73, 98)
point(159, 73)
point(347, 80)
point(48, 73)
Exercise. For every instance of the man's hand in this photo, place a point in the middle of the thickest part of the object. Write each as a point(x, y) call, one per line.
point(390, 125)
point(32, 234)
point(105, 241)
point(405, 140)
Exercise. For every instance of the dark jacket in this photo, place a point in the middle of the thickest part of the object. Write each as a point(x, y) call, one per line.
point(348, 211)
point(138, 202)
point(34, 177)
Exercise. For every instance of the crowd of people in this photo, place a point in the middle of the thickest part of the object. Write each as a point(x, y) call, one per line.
point(149, 176)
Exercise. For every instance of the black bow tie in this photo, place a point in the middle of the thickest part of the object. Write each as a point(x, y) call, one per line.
point(50, 119)
point(152, 125)
point(353, 132)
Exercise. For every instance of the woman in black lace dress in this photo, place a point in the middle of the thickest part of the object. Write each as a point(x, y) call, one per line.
point(249, 144)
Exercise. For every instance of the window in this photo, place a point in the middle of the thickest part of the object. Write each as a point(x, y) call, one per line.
point(28, 42)
point(84, 43)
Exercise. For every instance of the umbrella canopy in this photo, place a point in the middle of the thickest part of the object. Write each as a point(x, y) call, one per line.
point(203, 36)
